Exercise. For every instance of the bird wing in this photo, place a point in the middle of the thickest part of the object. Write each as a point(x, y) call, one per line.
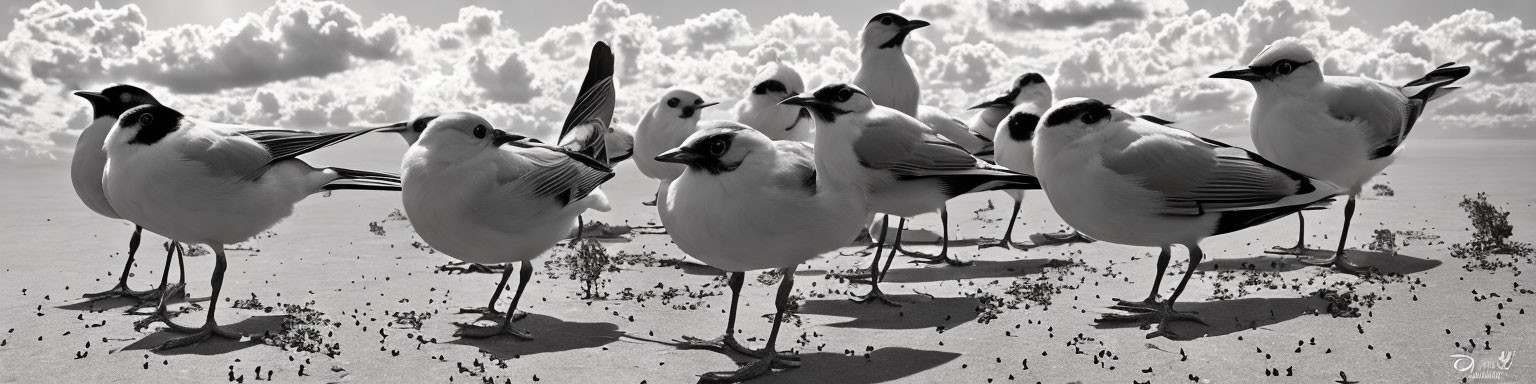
point(592, 114)
point(549, 172)
point(1377, 109)
point(287, 144)
point(906, 147)
point(951, 128)
point(222, 150)
point(1193, 175)
point(797, 168)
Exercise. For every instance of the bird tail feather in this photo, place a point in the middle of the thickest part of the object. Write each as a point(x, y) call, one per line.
point(362, 180)
point(1436, 80)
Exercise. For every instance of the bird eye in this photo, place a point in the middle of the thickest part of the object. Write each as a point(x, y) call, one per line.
point(844, 94)
point(717, 147)
point(886, 20)
point(146, 119)
point(480, 131)
point(1284, 67)
point(672, 103)
point(1089, 118)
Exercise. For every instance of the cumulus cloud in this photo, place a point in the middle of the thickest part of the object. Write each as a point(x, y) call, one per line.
point(319, 65)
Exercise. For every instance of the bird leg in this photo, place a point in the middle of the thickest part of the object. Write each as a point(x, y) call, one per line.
point(1063, 238)
point(1164, 313)
point(874, 269)
point(1338, 262)
point(1301, 239)
point(211, 327)
point(166, 290)
point(1151, 302)
point(879, 245)
point(770, 357)
point(476, 331)
point(121, 289)
point(490, 308)
point(728, 340)
point(1007, 241)
point(943, 256)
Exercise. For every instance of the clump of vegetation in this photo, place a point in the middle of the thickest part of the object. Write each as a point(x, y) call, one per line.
point(395, 215)
point(586, 264)
point(1024, 291)
point(1384, 240)
point(195, 250)
point(983, 218)
point(791, 311)
point(411, 319)
point(1253, 280)
point(375, 228)
point(1490, 236)
point(304, 328)
point(770, 277)
point(1346, 303)
point(1383, 190)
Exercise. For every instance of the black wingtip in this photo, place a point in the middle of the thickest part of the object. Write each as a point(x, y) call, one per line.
point(594, 102)
point(1443, 75)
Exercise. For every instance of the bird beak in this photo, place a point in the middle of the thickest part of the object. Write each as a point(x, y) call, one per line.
point(995, 103)
point(677, 155)
point(804, 101)
point(706, 105)
point(91, 96)
point(1240, 73)
point(499, 137)
point(914, 24)
point(396, 127)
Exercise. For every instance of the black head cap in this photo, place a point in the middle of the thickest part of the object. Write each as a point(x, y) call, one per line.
point(1089, 112)
point(154, 121)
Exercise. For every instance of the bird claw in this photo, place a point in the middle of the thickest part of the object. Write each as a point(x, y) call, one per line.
point(1059, 238)
point(477, 331)
point(1005, 243)
point(1161, 314)
point(747, 372)
point(488, 311)
point(722, 342)
point(875, 295)
point(1339, 263)
point(857, 277)
point(466, 268)
point(1135, 306)
point(1297, 249)
point(651, 203)
point(119, 290)
point(198, 335)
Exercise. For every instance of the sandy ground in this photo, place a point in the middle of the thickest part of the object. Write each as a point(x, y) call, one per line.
point(988, 322)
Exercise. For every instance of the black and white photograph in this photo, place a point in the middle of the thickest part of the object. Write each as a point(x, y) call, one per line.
point(778, 191)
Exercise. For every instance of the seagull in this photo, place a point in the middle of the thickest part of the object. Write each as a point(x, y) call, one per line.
point(1344, 129)
point(619, 143)
point(907, 168)
point(85, 171)
point(993, 111)
point(1128, 180)
point(664, 126)
point(1014, 145)
point(199, 182)
point(745, 202)
point(485, 196)
point(759, 106)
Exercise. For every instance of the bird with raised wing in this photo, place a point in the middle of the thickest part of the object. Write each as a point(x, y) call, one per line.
point(199, 182)
point(1344, 129)
point(908, 168)
point(746, 202)
point(1127, 180)
point(87, 165)
point(485, 196)
point(759, 106)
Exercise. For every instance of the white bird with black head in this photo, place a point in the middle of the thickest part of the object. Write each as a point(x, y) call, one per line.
point(908, 168)
point(199, 182)
point(86, 168)
point(1344, 129)
point(1128, 180)
point(1014, 145)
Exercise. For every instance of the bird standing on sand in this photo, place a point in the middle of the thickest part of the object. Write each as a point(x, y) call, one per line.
point(759, 106)
point(1125, 180)
point(746, 202)
point(486, 196)
point(1014, 145)
point(1344, 129)
point(907, 168)
point(216, 184)
point(992, 112)
point(85, 171)
point(664, 126)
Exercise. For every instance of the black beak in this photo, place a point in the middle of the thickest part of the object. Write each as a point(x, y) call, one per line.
point(1240, 73)
point(913, 24)
point(995, 103)
point(499, 137)
point(678, 155)
point(396, 127)
point(92, 96)
point(688, 111)
point(804, 101)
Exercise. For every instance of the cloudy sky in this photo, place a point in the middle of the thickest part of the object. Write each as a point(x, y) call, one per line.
point(322, 65)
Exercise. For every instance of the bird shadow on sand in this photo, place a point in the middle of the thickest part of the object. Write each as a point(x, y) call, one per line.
point(549, 335)
point(887, 364)
point(103, 305)
point(916, 312)
point(1231, 316)
point(979, 269)
point(1382, 262)
point(255, 325)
